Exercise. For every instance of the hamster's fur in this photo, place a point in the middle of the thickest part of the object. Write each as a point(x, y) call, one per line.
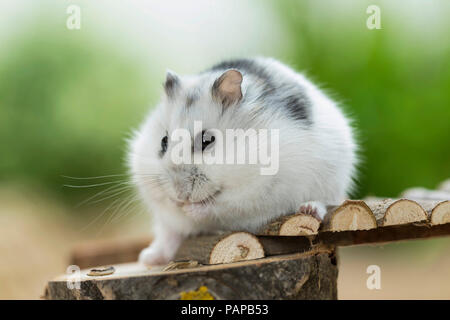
point(317, 153)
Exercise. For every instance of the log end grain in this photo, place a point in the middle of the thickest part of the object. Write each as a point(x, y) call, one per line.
point(300, 225)
point(441, 213)
point(235, 247)
point(404, 211)
point(352, 215)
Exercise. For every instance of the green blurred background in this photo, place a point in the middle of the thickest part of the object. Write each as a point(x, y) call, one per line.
point(69, 99)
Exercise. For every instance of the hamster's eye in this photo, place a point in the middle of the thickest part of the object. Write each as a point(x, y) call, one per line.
point(164, 142)
point(207, 139)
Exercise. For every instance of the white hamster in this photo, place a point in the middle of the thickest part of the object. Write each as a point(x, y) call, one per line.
point(315, 159)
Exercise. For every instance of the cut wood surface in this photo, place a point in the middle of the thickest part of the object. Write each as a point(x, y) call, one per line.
point(441, 213)
point(311, 275)
point(299, 224)
point(351, 215)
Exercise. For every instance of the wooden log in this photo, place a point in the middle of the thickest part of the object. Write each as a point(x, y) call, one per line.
point(403, 211)
point(311, 275)
point(222, 248)
point(441, 213)
point(299, 224)
point(351, 215)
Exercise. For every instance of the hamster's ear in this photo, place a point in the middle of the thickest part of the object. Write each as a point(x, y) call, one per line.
point(227, 88)
point(172, 83)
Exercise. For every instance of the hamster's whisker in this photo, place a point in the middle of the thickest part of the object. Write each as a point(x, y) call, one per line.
point(115, 209)
point(108, 190)
point(111, 205)
point(107, 176)
point(97, 218)
point(95, 177)
point(120, 191)
point(94, 185)
point(126, 209)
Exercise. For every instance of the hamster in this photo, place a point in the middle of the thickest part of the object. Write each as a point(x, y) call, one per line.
point(317, 152)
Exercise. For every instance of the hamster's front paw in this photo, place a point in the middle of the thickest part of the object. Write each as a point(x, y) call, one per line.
point(314, 208)
point(153, 255)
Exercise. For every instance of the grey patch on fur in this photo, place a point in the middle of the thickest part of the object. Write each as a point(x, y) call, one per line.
point(172, 83)
point(297, 103)
point(273, 92)
point(190, 99)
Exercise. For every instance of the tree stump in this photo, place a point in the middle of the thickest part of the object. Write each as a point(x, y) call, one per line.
point(309, 275)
